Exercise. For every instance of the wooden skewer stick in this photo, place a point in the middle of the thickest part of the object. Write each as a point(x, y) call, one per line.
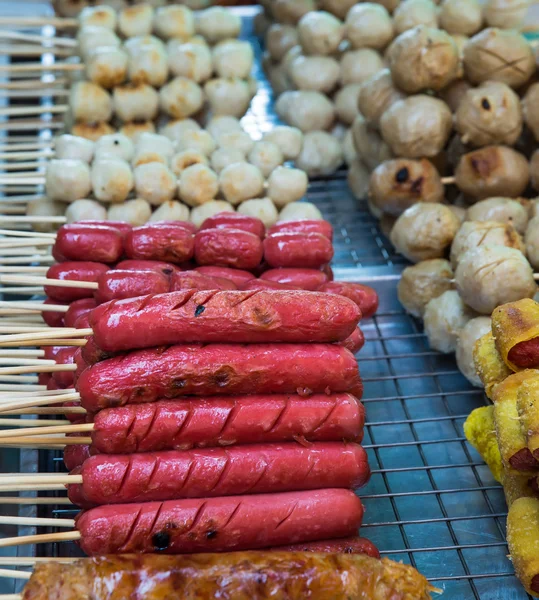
point(38, 306)
point(21, 179)
point(24, 146)
point(40, 394)
point(33, 51)
point(8, 406)
point(30, 561)
point(38, 501)
point(31, 124)
point(21, 353)
point(37, 39)
point(24, 243)
point(54, 429)
point(448, 180)
point(18, 378)
point(56, 332)
point(24, 260)
point(24, 22)
point(33, 422)
point(50, 91)
point(86, 285)
point(26, 329)
point(37, 66)
point(44, 538)
point(19, 388)
point(25, 361)
point(20, 166)
point(33, 219)
point(36, 441)
point(29, 234)
point(37, 369)
point(23, 269)
point(31, 154)
point(48, 410)
point(21, 290)
point(53, 342)
point(33, 110)
point(15, 575)
point(10, 596)
point(23, 479)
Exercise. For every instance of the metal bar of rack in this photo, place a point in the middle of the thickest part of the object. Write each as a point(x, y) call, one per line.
point(431, 501)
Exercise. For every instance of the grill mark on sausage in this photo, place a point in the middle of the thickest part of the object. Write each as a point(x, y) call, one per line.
point(145, 301)
point(188, 295)
point(282, 521)
point(151, 528)
point(129, 535)
point(248, 296)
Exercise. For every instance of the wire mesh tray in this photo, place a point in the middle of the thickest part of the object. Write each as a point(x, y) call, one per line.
point(431, 501)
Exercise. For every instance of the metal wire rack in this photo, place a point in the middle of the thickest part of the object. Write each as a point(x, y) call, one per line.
point(431, 501)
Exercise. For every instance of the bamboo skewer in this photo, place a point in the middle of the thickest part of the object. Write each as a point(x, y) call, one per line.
point(32, 110)
point(30, 561)
point(21, 353)
point(14, 574)
point(4, 387)
point(22, 500)
point(59, 443)
point(36, 522)
point(44, 538)
point(37, 39)
point(10, 597)
point(21, 290)
point(29, 280)
point(32, 219)
point(32, 422)
point(37, 369)
point(29, 234)
point(23, 22)
point(17, 405)
point(55, 332)
point(37, 66)
point(54, 429)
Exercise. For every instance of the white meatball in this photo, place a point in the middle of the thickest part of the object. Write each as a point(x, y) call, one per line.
point(267, 156)
point(279, 39)
point(171, 211)
point(85, 210)
point(67, 180)
point(135, 102)
point(112, 179)
point(411, 13)
point(147, 61)
point(461, 17)
point(359, 65)
point(424, 231)
point(321, 154)
point(289, 140)
point(228, 96)
point(483, 274)
point(287, 185)
point(369, 25)
point(502, 210)
point(297, 211)
point(115, 145)
point(473, 234)
point(422, 282)
point(346, 100)
point(236, 140)
point(468, 336)
point(107, 66)
point(218, 23)
point(100, 16)
point(76, 148)
point(91, 37)
point(152, 146)
point(261, 208)
point(233, 58)
point(320, 33)
point(134, 129)
point(90, 103)
point(306, 110)
point(199, 140)
point(318, 73)
point(348, 148)
point(200, 213)
point(532, 242)
point(444, 318)
point(174, 22)
point(176, 129)
point(198, 184)
point(155, 182)
point(358, 179)
point(135, 20)
point(223, 124)
point(506, 14)
point(186, 158)
point(45, 208)
point(181, 98)
point(189, 60)
point(91, 131)
point(222, 157)
point(135, 212)
point(241, 181)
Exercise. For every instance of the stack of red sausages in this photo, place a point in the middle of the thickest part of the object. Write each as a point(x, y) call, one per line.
point(226, 410)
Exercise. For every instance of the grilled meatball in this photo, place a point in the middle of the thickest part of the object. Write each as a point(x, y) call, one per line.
point(444, 318)
point(422, 282)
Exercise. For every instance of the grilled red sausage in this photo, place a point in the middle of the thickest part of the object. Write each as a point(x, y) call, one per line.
point(363, 295)
point(303, 226)
point(43, 378)
point(121, 227)
point(228, 248)
point(52, 385)
point(74, 271)
point(264, 285)
point(66, 356)
point(77, 309)
point(354, 342)
point(226, 420)
point(78, 359)
point(75, 455)
point(297, 249)
point(350, 545)
point(220, 524)
point(187, 225)
point(186, 370)
point(118, 284)
point(79, 241)
point(73, 417)
point(232, 220)
point(246, 469)
point(525, 354)
point(304, 279)
point(237, 276)
point(54, 319)
point(51, 351)
point(170, 242)
point(147, 265)
point(193, 280)
point(220, 316)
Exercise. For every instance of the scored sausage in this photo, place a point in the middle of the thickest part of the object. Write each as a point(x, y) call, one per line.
point(170, 242)
point(228, 248)
point(77, 309)
point(237, 276)
point(221, 316)
point(363, 295)
point(303, 279)
point(186, 370)
point(73, 271)
point(193, 280)
point(232, 220)
point(52, 318)
point(96, 243)
point(304, 226)
point(220, 524)
point(212, 472)
point(117, 284)
point(297, 249)
point(351, 545)
point(226, 420)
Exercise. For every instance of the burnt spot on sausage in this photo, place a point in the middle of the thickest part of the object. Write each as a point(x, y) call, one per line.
point(211, 535)
point(223, 376)
point(140, 391)
point(179, 383)
point(161, 540)
point(168, 271)
point(199, 310)
point(485, 104)
point(264, 317)
point(402, 175)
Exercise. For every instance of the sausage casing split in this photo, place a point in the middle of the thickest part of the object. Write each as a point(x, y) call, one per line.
point(74, 271)
point(96, 243)
point(227, 420)
point(212, 472)
point(297, 249)
point(220, 524)
point(221, 316)
point(231, 369)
